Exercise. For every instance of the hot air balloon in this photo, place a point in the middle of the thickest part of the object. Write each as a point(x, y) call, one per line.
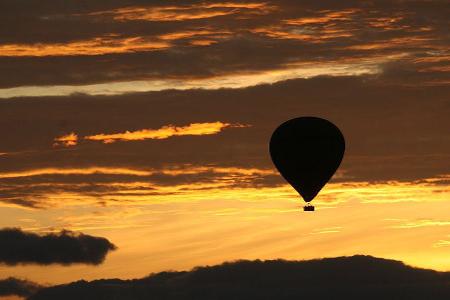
point(307, 151)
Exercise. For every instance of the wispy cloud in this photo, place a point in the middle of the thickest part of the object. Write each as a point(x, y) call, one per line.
point(68, 140)
point(421, 223)
point(230, 81)
point(181, 170)
point(324, 17)
point(96, 46)
point(327, 230)
point(442, 243)
point(184, 13)
point(206, 39)
point(51, 187)
point(74, 171)
point(164, 132)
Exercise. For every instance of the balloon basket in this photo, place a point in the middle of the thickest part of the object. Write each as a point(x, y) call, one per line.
point(308, 208)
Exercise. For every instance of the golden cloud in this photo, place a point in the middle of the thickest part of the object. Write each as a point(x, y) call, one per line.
point(96, 46)
point(164, 132)
point(387, 23)
point(173, 171)
point(183, 13)
point(313, 36)
point(194, 33)
point(68, 140)
point(203, 42)
point(325, 17)
point(415, 41)
point(75, 171)
point(222, 183)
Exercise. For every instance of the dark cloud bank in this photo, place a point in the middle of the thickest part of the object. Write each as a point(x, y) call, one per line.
point(357, 277)
point(18, 247)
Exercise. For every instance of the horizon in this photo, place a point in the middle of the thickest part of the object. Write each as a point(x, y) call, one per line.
point(256, 278)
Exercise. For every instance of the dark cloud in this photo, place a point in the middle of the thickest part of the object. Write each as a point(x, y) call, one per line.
point(18, 287)
point(335, 278)
point(19, 247)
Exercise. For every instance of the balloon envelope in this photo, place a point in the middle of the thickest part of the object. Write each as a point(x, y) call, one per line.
point(307, 152)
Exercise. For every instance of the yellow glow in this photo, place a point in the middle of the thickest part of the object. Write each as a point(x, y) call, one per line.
point(163, 133)
point(230, 183)
point(207, 223)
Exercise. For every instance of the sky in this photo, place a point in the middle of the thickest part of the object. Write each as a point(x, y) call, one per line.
point(142, 128)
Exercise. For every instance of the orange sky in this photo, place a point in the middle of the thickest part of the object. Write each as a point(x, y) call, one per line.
point(149, 126)
point(401, 221)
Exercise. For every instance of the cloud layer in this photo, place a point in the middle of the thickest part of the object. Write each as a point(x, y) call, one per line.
point(393, 133)
point(136, 40)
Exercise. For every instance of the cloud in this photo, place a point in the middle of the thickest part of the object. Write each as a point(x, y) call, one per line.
point(96, 46)
point(79, 171)
point(101, 186)
point(395, 134)
point(327, 230)
point(64, 248)
point(421, 223)
point(442, 243)
point(68, 140)
point(343, 277)
point(18, 287)
point(164, 132)
point(174, 13)
point(325, 17)
point(132, 41)
point(409, 144)
point(231, 81)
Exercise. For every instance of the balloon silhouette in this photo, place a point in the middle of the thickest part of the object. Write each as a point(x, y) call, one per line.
point(307, 152)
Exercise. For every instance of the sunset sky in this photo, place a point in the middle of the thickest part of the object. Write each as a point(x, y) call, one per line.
point(147, 123)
